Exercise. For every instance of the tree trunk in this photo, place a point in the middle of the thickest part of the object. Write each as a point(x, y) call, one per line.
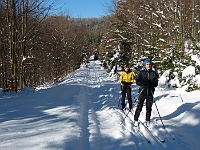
point(11, 20)
point(24, 9)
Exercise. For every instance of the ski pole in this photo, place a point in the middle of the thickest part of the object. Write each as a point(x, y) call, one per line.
point(181, 97)
point(137, 99)
point(159, 115)
point(126, 115)
point(120, 95)
point(158, 111)
point(119, 101)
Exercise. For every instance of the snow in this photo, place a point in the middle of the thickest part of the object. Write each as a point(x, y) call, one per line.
point(197, 80)
point(164, 79)
point(188, 71)
point(82, 113)
point(158, 25)
point(196, 58)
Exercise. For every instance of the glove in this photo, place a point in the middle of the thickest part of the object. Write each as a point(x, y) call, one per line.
point(122, 82)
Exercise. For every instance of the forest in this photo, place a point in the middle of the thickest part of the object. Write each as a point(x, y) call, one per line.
point(37, 48)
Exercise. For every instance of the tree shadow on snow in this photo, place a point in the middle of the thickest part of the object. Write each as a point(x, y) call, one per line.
point(186, 107)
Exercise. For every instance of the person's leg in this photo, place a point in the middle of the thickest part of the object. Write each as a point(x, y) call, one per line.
point(149, 102)
point(139, 107)
point(123, 97)
point(129, 97)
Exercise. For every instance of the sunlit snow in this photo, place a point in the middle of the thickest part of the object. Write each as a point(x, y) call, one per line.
point(81, 113)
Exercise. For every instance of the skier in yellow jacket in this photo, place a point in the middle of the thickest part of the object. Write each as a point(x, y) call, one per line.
point(126, 79)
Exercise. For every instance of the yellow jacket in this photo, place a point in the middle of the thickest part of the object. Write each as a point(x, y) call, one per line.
point(126, 77)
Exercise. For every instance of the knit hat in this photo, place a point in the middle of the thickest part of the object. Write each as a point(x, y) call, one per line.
point(147, 61)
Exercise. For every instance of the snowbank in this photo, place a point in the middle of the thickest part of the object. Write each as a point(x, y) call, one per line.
point(188, 72)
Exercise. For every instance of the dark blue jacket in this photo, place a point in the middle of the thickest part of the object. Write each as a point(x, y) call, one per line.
point(147, 80)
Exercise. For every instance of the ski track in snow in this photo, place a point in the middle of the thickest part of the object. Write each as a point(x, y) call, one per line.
point(82, 113)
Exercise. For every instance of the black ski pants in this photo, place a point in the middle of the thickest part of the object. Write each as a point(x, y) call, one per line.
point(126, 90)
point(149, 102)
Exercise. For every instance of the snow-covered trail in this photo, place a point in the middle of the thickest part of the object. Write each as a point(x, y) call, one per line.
point(81, 113)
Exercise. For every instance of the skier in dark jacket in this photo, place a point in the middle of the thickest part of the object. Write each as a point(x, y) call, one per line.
point(147, 79)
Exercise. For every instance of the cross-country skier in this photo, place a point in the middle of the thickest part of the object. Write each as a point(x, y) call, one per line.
point(147, 79)
point(126, 79)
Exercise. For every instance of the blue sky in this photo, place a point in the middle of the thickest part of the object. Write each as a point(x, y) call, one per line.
point(85, 8)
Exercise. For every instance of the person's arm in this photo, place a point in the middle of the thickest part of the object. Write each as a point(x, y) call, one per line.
point(155, 81)
point(132, 77)
point(139, 80)
point(121, 78)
